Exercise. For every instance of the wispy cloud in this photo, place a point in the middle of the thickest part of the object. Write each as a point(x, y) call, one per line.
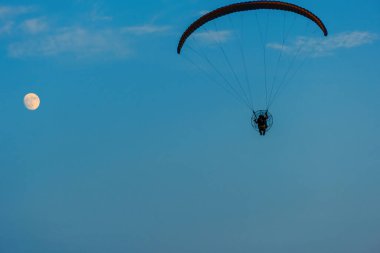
point(11, 11)
point(213, 36)
point(76, 41)
point(203, 12)
point(34, 26)
point(326, 46)
point(97, 14)
point(146, 29)
point(38, 37)
point(6, 27)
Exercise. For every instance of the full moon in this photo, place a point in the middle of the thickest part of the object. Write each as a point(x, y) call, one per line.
point(31, 101)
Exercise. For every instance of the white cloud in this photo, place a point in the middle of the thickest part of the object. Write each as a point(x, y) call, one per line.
point(146, 29)
point(350, 40)
point(34, 26)
point(98, 17)
point(213, 36)
point(326, 46)
point(280, 47)
point(203, 12)
point(75, 41)
point(34, 37)
point(6, 28)
point(10, 11)
point(97, 13)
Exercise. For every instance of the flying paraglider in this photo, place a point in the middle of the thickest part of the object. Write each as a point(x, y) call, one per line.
point(208, 42)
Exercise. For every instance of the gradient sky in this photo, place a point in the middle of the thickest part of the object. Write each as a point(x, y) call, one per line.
point(127, 153)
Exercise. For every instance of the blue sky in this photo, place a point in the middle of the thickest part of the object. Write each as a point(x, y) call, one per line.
point(131, 152)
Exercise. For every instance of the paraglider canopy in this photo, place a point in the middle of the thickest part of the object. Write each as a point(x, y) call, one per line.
point(247, 6)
